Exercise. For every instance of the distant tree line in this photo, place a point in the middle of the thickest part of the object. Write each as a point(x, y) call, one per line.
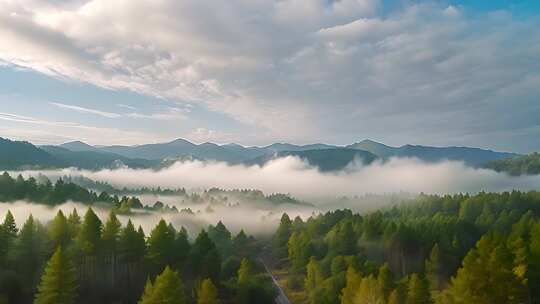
point(482, 248)
point(519, 165)
point(84, 260)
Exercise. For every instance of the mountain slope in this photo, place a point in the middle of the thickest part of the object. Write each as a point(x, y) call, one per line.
point(95, 160)
point(470, 156)
point(17, 154)
point(324, 159)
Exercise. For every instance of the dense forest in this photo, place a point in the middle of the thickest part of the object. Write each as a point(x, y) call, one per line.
point(483, 248)
point(85, 260)
point(518, 165)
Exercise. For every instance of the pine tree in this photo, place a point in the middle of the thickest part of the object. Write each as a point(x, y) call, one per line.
point(89, 236)
point(245, 271)
point(417, 290)
point(74, 223)
point(353, 280)
point(161, 245)
point(207, 293)
point(29, 250)
point(132, 245)
point(59, 231)
point(167, 289)
point(206, 261)
point(58, 283)
point(314, 280)
point(111, 233)
point(433, 269)
point(385, 280)
point(282, 235)
point(487, 276)
point(9, 227)
point(369, 292)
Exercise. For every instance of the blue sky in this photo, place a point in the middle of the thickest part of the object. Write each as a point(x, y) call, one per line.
point(422, 72)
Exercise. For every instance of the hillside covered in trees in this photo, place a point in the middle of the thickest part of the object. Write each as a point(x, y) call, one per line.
point(518, 165)
point(482, 248)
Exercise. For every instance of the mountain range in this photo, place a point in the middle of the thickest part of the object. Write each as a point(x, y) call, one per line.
point(16, 154)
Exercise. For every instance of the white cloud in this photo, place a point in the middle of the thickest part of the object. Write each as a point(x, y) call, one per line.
point(297, 70)
point(85, 110)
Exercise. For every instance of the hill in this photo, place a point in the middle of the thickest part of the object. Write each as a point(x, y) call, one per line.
point(17, 154)
point(475, 157)
point(518, 165)
point(324, 159)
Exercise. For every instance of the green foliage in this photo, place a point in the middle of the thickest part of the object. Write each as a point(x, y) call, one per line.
point(59, 231)
point(487, 276)
point(111, 233)
point(58, 283)
point(205, 258)
point(519, 165)
point(89, 236)
point(167, 289)
point(418, 290)
point(161, 245)
point(207, 293)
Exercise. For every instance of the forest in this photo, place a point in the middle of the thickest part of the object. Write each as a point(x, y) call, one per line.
point(482, 248)
point(461, 248)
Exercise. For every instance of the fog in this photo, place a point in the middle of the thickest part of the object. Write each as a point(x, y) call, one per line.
point(257, 222)
point(293, 176)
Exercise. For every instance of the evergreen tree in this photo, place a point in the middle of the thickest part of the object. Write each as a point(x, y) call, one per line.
point(433, 269)
point(369, 292)
point(58, 283)
point(59, 231)
point(394, 297)
point(131, 246)
point(205, 258)
point(487, 276)
point(74, 223)
point(167, 289)
point(161, 245)
point(385, 280)
point(89, 236)
point(417, 290)
point(9, 227)
point(111, 233)
point(282, 235)
point(314, 280)
point(299, 250)
point(245, 271)
point(353, 280)
point(207, 293)
point(29, 250)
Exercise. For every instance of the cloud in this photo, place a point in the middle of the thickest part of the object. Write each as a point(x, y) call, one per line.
point(291, 175)
point(86, 110)
point(62, 131)
point(301, 70)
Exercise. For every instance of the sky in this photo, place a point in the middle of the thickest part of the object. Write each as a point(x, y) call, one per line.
point(254, 72)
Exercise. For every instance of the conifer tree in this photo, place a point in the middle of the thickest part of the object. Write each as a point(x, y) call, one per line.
point(433, 269)
point(58, 284)
point(394, 297)
point(417, 290)
point(59, 231)
point(353, 280)
point(207, 293)
point(245, 271)
point(74, 223)
point(369, 291)
point(282, 235)
point(167, 289)
point(487, 276)
point(111, 233)
point(161, 245)
point(89, 236)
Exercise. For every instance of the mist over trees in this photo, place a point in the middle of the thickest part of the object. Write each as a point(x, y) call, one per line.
point(74, 259)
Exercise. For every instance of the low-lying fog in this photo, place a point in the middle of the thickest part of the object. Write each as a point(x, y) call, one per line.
point(292, 175)
point(358, 187)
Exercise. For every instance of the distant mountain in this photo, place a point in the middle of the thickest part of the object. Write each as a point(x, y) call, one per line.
point(470, 156)
point(95, 160)
point(325, 159)
point(78, 146)
point(173, 149)
point(280, 147)
point(17, 154)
